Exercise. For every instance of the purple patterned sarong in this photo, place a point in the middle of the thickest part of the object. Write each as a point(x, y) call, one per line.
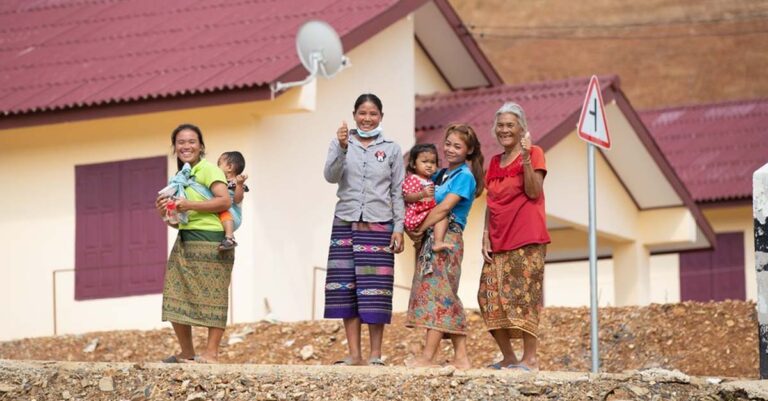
point(360, 272)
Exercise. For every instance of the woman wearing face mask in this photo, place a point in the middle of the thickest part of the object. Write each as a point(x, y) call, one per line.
point(514, 240)
point(367, 228)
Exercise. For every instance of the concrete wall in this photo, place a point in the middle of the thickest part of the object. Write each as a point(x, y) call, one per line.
point(288, 213)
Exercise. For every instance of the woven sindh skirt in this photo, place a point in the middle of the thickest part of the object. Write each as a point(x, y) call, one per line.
point(361, 271)
point(434, 302)
point(511, 288)
point(197, 277)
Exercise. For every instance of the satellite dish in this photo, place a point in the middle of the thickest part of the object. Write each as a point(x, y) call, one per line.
point(320, 51)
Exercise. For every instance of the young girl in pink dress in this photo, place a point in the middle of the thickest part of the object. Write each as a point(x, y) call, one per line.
point(419, 192)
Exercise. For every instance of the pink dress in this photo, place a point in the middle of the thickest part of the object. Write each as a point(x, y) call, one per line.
point(416, 212)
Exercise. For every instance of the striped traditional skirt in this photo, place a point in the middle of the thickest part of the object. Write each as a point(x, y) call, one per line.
point(361, 271)
point(511, 288)
point(196, 289)
point(434, 302)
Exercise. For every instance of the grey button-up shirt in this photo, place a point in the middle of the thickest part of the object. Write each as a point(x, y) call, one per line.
point(370, 180)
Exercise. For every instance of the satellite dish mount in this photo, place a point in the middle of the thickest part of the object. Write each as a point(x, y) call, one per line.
point(320, 51)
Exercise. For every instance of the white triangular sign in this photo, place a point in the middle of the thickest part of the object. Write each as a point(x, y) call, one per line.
point(593, 126)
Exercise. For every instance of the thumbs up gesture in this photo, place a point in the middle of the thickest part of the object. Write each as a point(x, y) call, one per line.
point(342, 134)
point(525, 143)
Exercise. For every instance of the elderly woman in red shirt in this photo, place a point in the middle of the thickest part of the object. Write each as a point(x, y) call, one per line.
point(514, 240)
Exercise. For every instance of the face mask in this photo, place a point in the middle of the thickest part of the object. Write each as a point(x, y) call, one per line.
point(371, 133)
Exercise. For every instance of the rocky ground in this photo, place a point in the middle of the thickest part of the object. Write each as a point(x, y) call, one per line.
point(138, 382)
point(643, 352)
point(703, 339)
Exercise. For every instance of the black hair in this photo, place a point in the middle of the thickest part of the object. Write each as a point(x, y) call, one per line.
point(474, 154)
point(418, 149)
point(193, 128)
point(236, 159)
point(368, 97)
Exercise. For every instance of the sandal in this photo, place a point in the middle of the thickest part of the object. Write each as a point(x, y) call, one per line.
point(519, 367)
point(495, 366)
point(202, 359)
point(345, 362)
point(227, 243)
point(376, 362)
point(175, 359)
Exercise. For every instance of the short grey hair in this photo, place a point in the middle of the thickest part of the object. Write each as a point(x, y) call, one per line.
point(510, 108)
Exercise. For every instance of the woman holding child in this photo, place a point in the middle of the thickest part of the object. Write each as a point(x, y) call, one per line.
point(196, 288)
point(514, 240)
point(434, 303)
point(367, 228)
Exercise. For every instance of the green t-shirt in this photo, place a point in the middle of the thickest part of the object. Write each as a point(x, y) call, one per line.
point(206, 174)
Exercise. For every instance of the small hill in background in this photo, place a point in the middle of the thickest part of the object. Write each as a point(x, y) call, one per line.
point(667, 52)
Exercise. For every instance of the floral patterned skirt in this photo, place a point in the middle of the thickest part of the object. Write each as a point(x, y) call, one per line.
point(434, 302)
point(510, 294)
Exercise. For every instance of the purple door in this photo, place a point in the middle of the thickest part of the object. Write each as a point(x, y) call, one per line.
point(120, 243)
point(714, 275)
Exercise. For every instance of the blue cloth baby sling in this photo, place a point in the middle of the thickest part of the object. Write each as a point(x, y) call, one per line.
point(184, 179)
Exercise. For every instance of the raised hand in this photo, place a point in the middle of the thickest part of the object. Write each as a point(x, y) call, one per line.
point(525, 146)
point(342, 134)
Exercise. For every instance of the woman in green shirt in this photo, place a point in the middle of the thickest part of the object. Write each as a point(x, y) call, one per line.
point(197, 277)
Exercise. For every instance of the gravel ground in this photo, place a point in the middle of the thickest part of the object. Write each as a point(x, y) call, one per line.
point(24, 380)
point(704, 339)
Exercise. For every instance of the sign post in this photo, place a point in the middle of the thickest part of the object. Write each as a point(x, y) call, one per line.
point(593, 128)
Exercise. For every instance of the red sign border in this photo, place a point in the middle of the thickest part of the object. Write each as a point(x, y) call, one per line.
point(594, 83)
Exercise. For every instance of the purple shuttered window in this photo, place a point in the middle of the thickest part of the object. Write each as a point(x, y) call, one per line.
point(714, 275)
point(120, 242)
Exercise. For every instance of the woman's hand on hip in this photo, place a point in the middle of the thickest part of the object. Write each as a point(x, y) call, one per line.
point(487, 248)
point(342, 134)
point(396, 242)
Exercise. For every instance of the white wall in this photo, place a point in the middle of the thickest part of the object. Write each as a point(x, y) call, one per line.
point(567, 283)
point(428, 78)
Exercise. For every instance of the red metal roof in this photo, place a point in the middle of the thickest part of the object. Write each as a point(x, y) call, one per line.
point(713, 148)
point(551, 110)
point(70, 54)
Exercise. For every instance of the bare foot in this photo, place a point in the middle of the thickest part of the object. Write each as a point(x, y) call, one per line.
point(351, 361)
point(420, 362)
point(358, 362)
point(440, 246)
point(532, 364)
point(461, 364)
point(205, 358)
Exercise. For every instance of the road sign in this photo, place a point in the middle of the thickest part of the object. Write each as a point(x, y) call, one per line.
point(593, 126)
